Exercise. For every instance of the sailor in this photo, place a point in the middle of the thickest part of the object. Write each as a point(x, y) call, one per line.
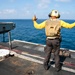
point(53, 38)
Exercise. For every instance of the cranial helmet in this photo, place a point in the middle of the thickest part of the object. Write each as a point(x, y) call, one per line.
point(54, 13)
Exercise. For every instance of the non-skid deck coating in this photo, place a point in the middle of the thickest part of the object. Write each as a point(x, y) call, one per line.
point(17, 66)
point(29, 61)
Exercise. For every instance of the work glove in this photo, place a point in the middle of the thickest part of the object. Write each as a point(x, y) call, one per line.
point(34, 18)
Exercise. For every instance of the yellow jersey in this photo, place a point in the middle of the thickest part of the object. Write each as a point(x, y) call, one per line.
point(62, 23)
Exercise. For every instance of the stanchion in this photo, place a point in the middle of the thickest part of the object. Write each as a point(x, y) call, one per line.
point(10, 44)
point(9, 36)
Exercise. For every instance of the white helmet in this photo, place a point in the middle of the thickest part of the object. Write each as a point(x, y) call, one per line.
point(54, 13)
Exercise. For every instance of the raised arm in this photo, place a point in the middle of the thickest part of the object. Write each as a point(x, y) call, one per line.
point(36, 25)
point(67, 25)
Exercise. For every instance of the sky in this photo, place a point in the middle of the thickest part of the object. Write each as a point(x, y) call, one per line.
point(26, 9)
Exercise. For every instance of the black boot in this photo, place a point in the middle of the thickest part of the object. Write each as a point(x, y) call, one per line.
point(58, 69)
point(46, 66)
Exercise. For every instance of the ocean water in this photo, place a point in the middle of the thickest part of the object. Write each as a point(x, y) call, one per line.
point(25, 31)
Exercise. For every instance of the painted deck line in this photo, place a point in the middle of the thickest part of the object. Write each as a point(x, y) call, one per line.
point(38, 44)
point(27, 42)
point(32, 55)
point(41, 62)
point(41, 58)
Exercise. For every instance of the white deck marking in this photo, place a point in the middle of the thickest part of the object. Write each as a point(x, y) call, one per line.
point(32, 55)
point(41, 62)
point(36, 60)
point(28, 58)
point(38, 44)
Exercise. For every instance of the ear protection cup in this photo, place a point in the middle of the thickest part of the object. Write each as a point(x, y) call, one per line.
point(58, 16)
point(51, 13)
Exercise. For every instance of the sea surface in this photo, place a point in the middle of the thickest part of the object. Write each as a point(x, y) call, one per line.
point(25, 31)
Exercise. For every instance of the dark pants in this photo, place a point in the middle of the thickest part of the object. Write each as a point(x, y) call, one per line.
point(52, 44)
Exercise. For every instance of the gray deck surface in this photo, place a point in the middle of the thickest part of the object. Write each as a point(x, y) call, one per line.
point(18, 66)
